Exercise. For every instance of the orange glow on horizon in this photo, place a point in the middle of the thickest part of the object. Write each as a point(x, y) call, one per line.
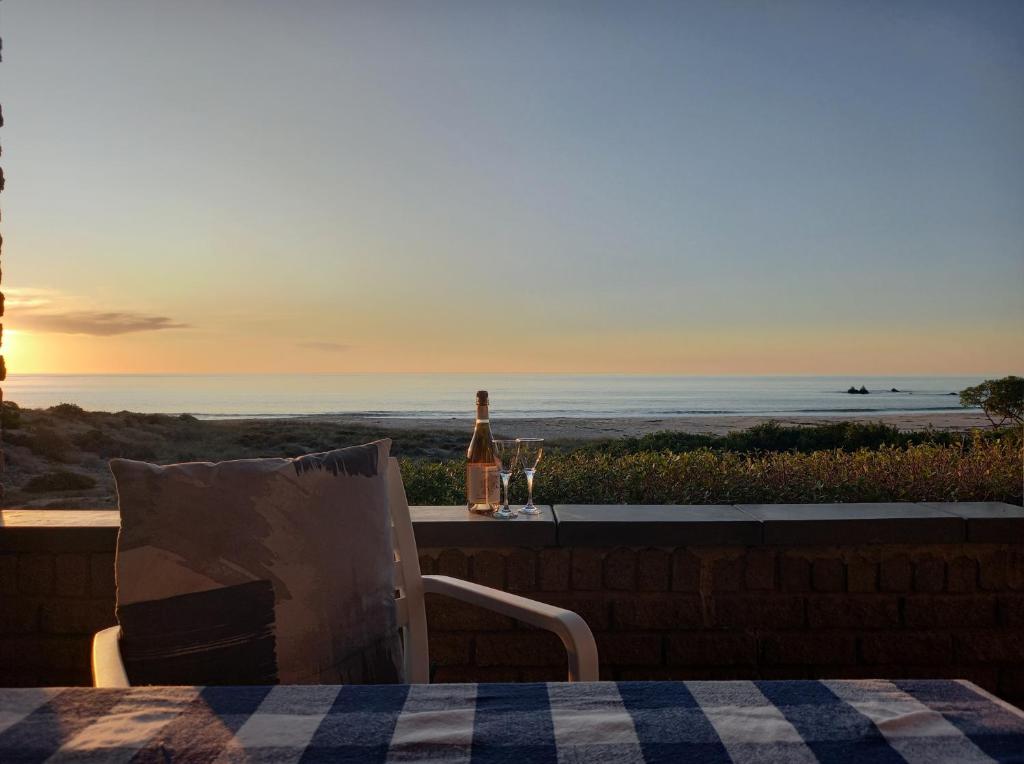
point(721, 352)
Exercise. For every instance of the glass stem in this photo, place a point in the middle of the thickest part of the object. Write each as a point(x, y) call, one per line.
point(529, 487)
point(504, 484)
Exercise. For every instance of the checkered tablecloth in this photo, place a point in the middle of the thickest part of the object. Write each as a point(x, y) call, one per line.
point(802, 721)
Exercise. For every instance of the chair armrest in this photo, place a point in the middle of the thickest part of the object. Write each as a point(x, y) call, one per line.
point(570, 628)
point(107, 667)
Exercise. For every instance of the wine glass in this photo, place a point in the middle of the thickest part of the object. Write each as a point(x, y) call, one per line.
point(530, 452)
point(506, 452)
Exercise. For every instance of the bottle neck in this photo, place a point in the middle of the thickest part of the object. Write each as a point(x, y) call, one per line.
point(482, 417)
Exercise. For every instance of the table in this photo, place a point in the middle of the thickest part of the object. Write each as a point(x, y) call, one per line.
point(785, 721)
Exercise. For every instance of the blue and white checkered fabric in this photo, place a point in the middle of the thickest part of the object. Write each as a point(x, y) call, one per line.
point(800, 721)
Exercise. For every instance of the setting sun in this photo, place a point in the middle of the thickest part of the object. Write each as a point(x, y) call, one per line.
point(27, 352)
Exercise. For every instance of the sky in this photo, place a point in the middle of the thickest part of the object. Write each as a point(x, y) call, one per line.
point(689, 188)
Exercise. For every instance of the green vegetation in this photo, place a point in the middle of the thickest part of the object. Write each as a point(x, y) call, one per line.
point(771, 436)
point(839, 461)
point(982, 469)
point(59, 480)
point(1000, 399)
point(44, 441)
point(41, 442)
point(10, 416)
point(67, 411)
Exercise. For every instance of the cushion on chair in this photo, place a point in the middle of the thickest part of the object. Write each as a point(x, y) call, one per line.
point(258, 571)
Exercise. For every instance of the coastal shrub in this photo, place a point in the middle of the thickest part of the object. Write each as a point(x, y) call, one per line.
point(135, 419)
point(139, 451)
point(67, 411)
point(772, 436)
point(434, 483)
point(296, 437)
point(97, 442)
point(49, 443)
point(10, 415)
point(848, 436)
point(59, 480)
point(106, 446)
point(17, 438)
point(982, 469)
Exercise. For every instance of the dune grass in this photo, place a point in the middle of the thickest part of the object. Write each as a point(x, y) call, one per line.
point(981, 469)
point(58, 457)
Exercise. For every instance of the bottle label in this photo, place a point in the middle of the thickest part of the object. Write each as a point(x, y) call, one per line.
point(483, 484)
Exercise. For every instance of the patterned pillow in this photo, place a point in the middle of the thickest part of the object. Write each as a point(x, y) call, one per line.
point(258, 571)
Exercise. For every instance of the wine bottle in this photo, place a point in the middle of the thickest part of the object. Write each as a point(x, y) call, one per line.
point(482, 481)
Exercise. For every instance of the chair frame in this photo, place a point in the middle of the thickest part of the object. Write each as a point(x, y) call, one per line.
point(412, 587)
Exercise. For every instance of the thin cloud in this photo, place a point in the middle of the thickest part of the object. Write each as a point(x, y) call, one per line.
point(94, 322)
point(329, 347)
point(27, 298)
point(41, 310)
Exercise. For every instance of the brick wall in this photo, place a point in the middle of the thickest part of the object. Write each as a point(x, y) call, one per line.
point(52, 604)
point(951, 610)
point(760, 610)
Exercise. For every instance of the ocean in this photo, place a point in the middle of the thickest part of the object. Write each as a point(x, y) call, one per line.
point(512, 395)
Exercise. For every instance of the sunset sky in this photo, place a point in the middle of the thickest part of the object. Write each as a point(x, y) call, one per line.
point(696, 188)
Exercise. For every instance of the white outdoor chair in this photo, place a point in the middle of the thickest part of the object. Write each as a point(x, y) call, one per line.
point(108, 669)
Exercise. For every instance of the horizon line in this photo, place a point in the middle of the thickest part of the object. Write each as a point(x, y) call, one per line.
point(13, 375)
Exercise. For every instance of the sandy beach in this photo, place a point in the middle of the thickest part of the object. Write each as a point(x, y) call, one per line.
point(566, 428)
